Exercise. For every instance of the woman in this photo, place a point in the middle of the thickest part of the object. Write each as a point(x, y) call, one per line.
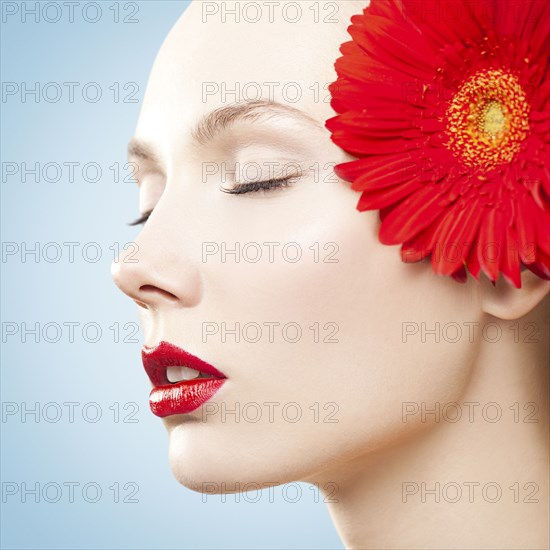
point(283, 340)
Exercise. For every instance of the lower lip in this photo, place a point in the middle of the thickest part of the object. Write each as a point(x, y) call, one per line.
point(183, 397)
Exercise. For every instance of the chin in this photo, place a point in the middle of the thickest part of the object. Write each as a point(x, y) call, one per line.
point(227, 479)
point(205, 460)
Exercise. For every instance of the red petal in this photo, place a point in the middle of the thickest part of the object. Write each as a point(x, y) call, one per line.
point(418, 248)
point(460, 275)
point(456, 237)
point(410, 217)
point(346, 97)
point(490, 243)
point(510, 264)
point(542, 220)
point(526, 230)
point(446, 21)
point(360, 146)
point(394, 45)
point(375, 200)
point(472, 261)
point(384, 172)
point(541, 269)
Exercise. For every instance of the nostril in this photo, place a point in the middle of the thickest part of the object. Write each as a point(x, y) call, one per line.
point(156, 290)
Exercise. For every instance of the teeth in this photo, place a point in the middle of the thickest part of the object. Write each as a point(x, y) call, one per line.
point(177, 374)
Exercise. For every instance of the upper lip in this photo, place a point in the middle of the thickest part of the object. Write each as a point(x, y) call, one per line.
point(157, 359)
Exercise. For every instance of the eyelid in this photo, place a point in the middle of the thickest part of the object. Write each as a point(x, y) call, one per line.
point(253, 187)
point(151, 189)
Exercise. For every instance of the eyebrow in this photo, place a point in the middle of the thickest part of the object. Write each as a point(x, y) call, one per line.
point(211, 124)
point(219, 119)
point(142, 150)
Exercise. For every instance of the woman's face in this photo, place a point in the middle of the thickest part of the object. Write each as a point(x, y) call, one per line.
point(211, 262)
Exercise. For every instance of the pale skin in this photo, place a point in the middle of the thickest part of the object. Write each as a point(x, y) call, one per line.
point(374, 454)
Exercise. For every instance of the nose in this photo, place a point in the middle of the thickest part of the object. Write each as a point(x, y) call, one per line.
point(155, 273)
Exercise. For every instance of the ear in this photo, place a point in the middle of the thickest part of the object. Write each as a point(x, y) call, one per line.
point(509, 303)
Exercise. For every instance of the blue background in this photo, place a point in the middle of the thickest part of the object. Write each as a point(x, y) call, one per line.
point(50, 293)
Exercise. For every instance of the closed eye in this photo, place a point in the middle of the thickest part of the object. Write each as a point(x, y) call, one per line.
point(256, 186)
point(239, 189)
point(142, 219)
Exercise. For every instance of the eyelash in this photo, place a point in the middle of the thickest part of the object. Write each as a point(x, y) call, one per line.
point(254, 187)
point(142, 219)
point(241, 189)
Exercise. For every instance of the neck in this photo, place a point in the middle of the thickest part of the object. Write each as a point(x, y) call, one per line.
point(478, 482)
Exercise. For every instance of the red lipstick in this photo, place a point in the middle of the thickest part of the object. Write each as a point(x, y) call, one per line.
point(184, 396)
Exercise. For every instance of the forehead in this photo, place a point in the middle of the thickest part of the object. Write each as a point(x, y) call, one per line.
point(210, 60)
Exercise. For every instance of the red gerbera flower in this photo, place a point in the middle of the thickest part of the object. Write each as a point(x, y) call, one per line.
point(446, 105)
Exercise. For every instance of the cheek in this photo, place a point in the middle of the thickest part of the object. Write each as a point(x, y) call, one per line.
point(386, 357)
point(353, 368)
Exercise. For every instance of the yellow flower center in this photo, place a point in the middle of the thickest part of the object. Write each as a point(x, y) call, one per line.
point(492, 120)
point(487, 119)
